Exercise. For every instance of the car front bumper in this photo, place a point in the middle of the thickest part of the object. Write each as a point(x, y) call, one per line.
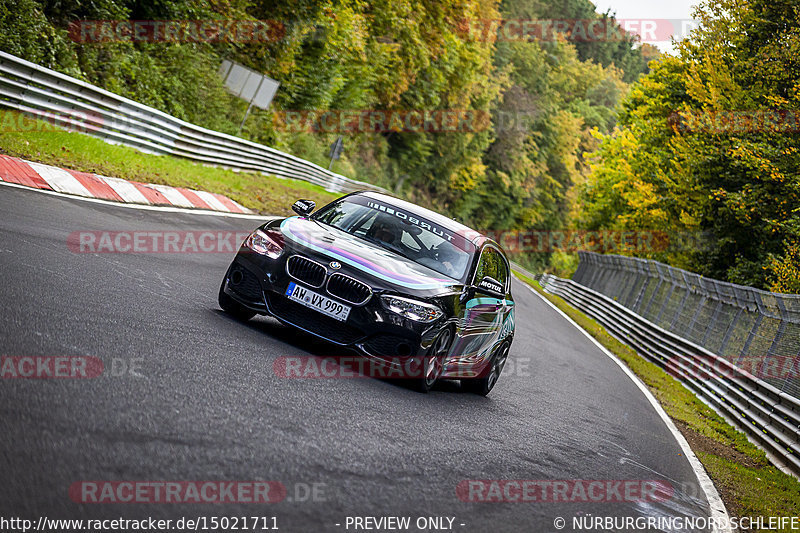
point(399, 344)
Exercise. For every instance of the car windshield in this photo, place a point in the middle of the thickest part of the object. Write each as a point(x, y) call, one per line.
point(403, 233)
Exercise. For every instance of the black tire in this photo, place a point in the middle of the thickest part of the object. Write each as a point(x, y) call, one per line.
point(485, 383)
point(231, 306)
point(433, 362)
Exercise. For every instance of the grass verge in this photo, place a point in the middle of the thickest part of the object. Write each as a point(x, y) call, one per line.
point(41, 142)
point(748, 484)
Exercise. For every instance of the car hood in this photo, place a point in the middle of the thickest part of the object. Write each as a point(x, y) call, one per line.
point(393, 270)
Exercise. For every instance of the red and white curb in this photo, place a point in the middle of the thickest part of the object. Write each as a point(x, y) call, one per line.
point(51, 178)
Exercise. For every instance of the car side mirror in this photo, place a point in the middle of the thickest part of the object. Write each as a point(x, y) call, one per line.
point(490, 286)
point(304, 207)
point(467, 294)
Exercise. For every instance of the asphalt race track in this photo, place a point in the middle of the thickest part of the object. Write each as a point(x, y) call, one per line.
point(190, 394)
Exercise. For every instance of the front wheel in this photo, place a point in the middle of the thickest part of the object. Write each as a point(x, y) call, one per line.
point(433, 362)
point(231, 306)
point(484, 384)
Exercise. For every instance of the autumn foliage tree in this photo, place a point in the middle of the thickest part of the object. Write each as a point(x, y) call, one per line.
point(518, 169)
point(709, 143)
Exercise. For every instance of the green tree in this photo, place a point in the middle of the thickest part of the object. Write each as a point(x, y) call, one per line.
point(703, 144)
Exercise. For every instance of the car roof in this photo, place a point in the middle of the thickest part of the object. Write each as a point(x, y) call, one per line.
point(474, 236)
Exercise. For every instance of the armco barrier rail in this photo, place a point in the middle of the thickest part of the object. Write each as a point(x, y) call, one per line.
point(72, 103)
point(770, 416)
point(753, 329)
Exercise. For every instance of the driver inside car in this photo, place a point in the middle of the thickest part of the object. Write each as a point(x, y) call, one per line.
point(451, 259)
point(443, 256)
point(385, 232)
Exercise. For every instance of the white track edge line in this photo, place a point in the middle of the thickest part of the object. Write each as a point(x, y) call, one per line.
point(715, 503)
point(142, 207)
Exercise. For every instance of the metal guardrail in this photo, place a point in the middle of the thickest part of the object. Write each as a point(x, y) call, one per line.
point(770, 416)
point(755, 330)
point(72, 103)
point(522, 270)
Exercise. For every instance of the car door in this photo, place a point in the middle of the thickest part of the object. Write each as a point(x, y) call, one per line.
point(487, 318)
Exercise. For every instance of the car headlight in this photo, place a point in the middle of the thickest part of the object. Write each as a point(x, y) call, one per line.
point(413, 309)
point(265, 243)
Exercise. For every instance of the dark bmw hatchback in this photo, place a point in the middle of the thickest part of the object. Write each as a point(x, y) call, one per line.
point(402, 285)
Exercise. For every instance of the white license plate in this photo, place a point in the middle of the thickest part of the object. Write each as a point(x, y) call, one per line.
point(321, 303)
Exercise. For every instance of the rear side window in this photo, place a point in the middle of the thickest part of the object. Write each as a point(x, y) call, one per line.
point(492, 264)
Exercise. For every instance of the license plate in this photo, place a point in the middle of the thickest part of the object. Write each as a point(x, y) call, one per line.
point(318, 302)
